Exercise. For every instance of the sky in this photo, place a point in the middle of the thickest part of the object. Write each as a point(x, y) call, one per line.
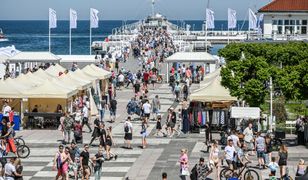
point(125, 9)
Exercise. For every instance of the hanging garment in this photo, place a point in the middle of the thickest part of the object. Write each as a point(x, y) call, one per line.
point(203, 118)
point(199, 117)
point(222, 117)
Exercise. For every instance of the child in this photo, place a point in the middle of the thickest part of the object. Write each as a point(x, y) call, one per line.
point(158, 125)
point(273, 166)
point(301, 168)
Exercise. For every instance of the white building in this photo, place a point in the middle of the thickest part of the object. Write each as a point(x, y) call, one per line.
point(286, 19)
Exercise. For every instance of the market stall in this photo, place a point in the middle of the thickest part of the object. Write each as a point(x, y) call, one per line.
point(211, 104)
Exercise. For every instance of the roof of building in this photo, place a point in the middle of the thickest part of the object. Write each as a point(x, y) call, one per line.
point(191, 57)
point(285, 6)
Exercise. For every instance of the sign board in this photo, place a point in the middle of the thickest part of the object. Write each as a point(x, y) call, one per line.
point(245, 112)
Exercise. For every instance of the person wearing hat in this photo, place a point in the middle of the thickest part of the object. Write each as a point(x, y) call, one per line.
point(229, 154)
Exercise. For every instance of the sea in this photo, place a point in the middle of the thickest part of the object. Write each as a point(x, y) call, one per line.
point(33, 35)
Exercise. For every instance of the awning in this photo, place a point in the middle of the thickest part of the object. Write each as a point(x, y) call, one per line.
point(44, 57)
point(40, 73)
point(214, 92)
point(96, 72)
point(74, 82)
point(201, 57)
point(8, 91)
point(49, 90)
point(54, 70)
point(78, 73)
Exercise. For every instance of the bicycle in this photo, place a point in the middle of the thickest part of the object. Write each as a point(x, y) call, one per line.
point(19, 141)
point(249, 174)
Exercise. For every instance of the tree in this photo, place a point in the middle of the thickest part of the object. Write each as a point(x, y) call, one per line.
point(247, 79)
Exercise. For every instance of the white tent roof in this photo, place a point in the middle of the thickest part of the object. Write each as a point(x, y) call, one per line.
point(202, 57)
point(74, 82)
point(96, 71)
point(8, 91)
point(28, 79)
point(49, 90)
point(34, 57)
point(80, 74)
point(208, 78)
point(54, 70)
point(40, 73)
point(212, 93)
point(85, 83)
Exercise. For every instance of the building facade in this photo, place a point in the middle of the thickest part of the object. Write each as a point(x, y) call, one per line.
point(285, 19)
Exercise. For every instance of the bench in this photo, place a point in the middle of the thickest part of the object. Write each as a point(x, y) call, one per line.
point(290, 125)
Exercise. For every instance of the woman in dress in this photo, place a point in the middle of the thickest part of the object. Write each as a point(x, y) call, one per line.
point(109, 144)
point(184, 171)
point(283, 159)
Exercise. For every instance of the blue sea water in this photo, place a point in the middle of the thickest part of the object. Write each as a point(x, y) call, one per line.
point(33, 35)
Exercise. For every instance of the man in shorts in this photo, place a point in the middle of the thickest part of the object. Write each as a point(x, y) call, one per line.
point(146, 109)
point(260, 148)
point(128, 130)
point(229, 154)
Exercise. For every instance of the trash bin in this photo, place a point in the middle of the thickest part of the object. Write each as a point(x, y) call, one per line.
point(280, 134)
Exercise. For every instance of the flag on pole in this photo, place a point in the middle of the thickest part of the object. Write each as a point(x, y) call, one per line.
point(252, 20)
point(210, 19)
point(260, 20)
point(52, 18)
point(94, 18)
point(231, 18)
point(73, 19)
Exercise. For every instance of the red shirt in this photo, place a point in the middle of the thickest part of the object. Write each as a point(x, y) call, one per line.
point(11, 116)
point(146, 76)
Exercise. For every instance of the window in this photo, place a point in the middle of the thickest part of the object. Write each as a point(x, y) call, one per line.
point(280, 22)
point(286, 22)
point(292, 22)
point(298, 22)
point(304, 22)
point(279, 29)
point(304, 30)
point(275, 22)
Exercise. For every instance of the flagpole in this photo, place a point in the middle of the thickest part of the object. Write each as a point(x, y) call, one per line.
point(228, 36)
point(70, 41)
point(90, 40)
point(205, 35)
point(49, 39)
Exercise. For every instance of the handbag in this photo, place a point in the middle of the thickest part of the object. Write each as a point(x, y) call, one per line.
point(185, 171)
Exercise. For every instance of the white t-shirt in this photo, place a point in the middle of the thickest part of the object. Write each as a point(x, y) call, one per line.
point(121, 78)
point(248, 134)
point(130, 126)
point(234, 138)
point(146, 108)
point(230, 150)
point(9, 169)
point(85, 111)
point(6, 110)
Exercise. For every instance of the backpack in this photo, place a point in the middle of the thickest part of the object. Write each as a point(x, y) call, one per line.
point(68, 123)
point(126, 128)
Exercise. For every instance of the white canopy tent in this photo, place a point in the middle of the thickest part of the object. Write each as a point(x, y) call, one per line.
point(8, 91)
point(190, 57)
point(214, 92)
point(49, 90)
point(54, 70)
point(96, 72)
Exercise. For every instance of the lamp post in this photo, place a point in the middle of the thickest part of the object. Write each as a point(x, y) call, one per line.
point(271, 104)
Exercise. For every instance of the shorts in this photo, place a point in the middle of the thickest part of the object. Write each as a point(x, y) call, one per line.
point(146, 81)
point(128, 136)
point(10, 146)
point(249, 145)
point(230, 162)
point(171, 124)
point(155, 110)
point(144, 134)
point(260, 154)
point(147, 115)
point(113, 112)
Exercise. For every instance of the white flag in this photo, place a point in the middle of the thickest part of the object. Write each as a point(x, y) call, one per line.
point(94, 18)
point(52, 18)
point(73, 19)
point(210, 19)
point(231, 18)
point(252, 20)
point(260, 20)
